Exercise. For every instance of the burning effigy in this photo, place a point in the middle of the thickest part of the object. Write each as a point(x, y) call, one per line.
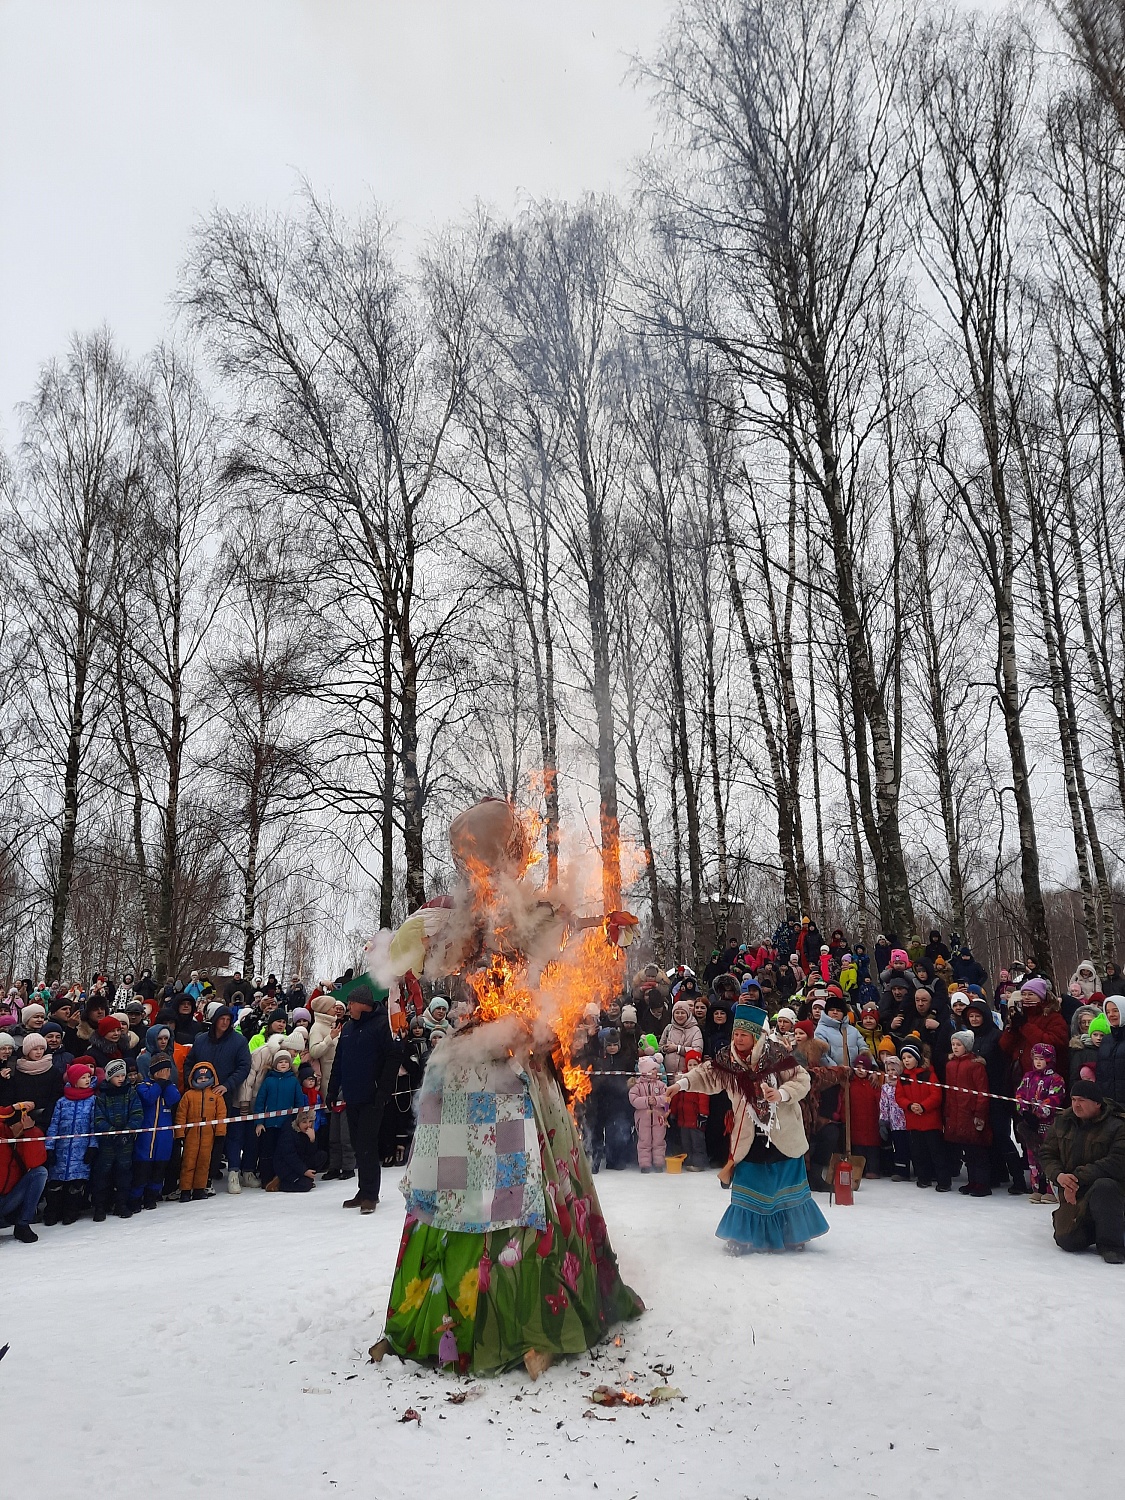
point(505, 1257)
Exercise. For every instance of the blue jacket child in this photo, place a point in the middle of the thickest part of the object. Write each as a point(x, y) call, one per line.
point(155, 1140)
point(117, 1110)
point(280, 1089)
point(70, 1148)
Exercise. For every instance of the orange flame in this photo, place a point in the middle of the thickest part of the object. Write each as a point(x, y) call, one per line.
point(588, 970)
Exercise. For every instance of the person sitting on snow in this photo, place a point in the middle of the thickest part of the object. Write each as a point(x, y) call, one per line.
point(1084, 1155)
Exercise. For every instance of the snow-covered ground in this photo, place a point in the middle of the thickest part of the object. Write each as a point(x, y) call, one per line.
point(928, 1346)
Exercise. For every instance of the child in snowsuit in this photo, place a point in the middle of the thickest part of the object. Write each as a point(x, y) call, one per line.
point(865, 1091)
point(892, 1120)
point(1041, 1095)
point(159, 1097)
point(919, 1097)
point(609, 1115)
point(295, 1157)
point(281, 1089)
point(689, 1111)
point(117, 1107)
point(201, 1120)
point(69, 1147)
point(967, 1127)
point(649, 1099)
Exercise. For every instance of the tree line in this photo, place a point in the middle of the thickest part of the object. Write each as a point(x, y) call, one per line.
point(767, 520)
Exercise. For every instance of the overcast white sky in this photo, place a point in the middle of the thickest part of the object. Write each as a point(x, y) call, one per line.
point(121, 121)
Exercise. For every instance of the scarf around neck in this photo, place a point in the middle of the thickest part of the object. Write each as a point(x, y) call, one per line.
point(34, 1065)
point(747, 1078)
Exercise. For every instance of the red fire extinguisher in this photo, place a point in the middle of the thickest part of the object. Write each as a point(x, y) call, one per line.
point(842, 1182)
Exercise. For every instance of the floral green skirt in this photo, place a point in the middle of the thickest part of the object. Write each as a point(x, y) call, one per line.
point(507, 1291)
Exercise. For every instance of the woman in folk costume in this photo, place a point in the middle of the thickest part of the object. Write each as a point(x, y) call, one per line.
point(771, 1205)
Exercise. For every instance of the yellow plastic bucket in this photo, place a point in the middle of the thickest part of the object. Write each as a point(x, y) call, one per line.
point(674, 1163)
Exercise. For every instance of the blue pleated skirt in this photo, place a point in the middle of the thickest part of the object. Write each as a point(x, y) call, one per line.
point(771, 1207)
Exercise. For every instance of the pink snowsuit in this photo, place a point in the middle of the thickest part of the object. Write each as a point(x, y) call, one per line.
point(649, 1099)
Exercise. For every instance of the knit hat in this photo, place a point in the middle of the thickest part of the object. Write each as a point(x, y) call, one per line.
point(1037, 987)
point(692, 1055)
point(135, 1008)
point(32, 1039)
point(52, 1028)
point(886, 1044)
point(899, 956)
point(76, 1072)
point(966, 1038)
point(628, 1015)
point(864, 1060)
point(646, 1065)
point(301, 1015)
point(109, 1023)
point(159, 1063)
point(649, 1041)
point(10, 1041)
point(281, 1055)
point(911, 1046)
point(33, 1012)
point(785, 1014)
point(212, 1010)
point(305, 1072)
point(115, 1069)
point(1084, 1088)
point(1044, 1050)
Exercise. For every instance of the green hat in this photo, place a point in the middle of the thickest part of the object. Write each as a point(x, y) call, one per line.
point(362, 989)
point(751, 1018)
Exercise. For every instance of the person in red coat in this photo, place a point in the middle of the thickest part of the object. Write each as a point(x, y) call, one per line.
point(23, 1169)
point(1033, 1016)
point(864, 1090)
point(919, 1098)
point(966, 1114)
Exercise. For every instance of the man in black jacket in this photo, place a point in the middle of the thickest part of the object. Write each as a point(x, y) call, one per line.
point(1085, 1154)
point(363, 1074)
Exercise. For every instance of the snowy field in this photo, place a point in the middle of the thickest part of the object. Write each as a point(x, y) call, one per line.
point(928, 1346)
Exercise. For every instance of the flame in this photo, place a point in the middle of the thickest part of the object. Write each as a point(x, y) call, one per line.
point(518, 923)
point(588, 971)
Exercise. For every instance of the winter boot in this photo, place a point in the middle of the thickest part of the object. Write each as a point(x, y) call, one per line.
point(25, 1234)
point(355, 1202)
point(332, 1175)
point(185, 1195)
point(345, 1173)
point(99, 1213)
point(202, 1193)
point(152, 1197)
point(54, 1210)
point(234, 1182)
